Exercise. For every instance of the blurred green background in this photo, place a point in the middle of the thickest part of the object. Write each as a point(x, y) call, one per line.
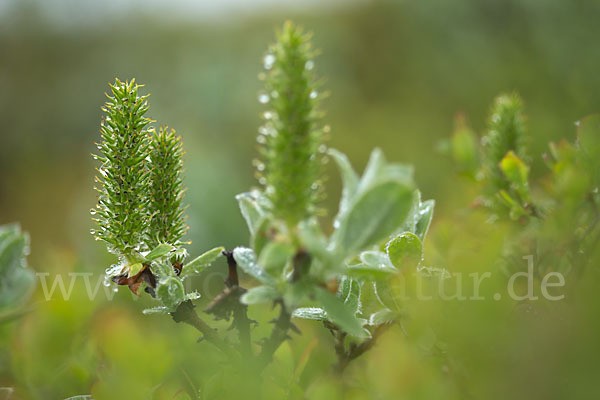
point(398, 72)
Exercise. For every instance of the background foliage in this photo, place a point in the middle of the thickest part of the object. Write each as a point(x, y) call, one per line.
point(398, 73)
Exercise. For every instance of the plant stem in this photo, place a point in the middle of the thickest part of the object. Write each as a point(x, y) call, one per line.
point(355, 351)
point(240, 311)
point(278, 335)
point(185, 313)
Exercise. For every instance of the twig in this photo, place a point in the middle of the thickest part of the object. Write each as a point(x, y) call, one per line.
point(278, 335)
point(283, 323)
point(185, 313)
point(355, 351)
point(240, 311)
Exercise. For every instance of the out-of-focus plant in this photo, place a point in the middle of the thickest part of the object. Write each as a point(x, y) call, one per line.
point(16, 279)
point(556, 218)
point(377, 233)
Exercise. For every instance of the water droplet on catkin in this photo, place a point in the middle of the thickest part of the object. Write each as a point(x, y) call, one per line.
point(263, 98)
point(269, 60)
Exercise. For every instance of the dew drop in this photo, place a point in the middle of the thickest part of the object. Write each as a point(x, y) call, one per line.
point(93, 211)
point(93, 232)
point(263, 98)
point(274, 94)
point(269, 60)
point(327, 129)
point(260, 167)
point(313, 94)
point(309, 65)
point(262, 181)
point(261, 139)
point(322, 148)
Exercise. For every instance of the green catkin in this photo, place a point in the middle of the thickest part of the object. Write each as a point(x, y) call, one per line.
point(291, 137)
point(506, 132)
point(121, 213)
point(166, 190)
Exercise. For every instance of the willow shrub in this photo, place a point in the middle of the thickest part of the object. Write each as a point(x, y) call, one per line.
point(378, 231)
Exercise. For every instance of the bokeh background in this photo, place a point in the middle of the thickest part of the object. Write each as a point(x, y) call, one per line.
point(398, 72)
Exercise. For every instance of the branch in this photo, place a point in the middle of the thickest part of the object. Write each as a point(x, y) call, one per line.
point(185, 313)
point(240, 311)
point(283, 323)
point(355, 351)
point(278, 335)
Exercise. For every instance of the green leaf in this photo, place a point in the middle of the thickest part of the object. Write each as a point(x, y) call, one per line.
point(170, 292)
point(340, 313)
point(314, 313)
point(260, 294)
point(374, 215)
point(12, 252)
point(344, 287)
point(155, 310)
point(200, 263)
point(135, 269)
point(423, 217)
point(382, 317)
point(159, 251)
point(349, 180)
point(352, 300)
point(374, 258)
point(275, 256)
point(252, 206)
point(434, 272)
point(374, 265)
point(516, 171)
point(405, 251)
point(16, 280)
point(378, 170)
point(246, 260)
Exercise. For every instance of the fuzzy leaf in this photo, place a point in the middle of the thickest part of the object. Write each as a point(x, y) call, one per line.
point(405, 251)
point(170, 292)
point(200, 263)
point(159, 251)
point(423, 217)
point(246, 260)
point(340, 313)
point(374, 265)
point(377, 213)
point(16, 280)
point(260, 294)
point(155, 310)
point(314, 313)
point(349, 179)
point(252, 206)
point(12, 249)
point(274, 256)
point(382, 317)
point(135, 269)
